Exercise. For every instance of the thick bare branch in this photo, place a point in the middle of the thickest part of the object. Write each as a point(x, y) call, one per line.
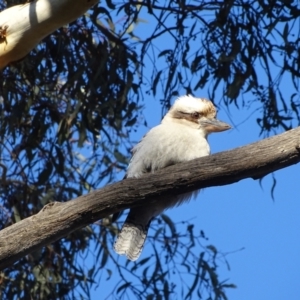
point(23, 26)
point(56, 220)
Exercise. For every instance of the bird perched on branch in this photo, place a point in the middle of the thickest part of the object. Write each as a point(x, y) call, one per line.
point(181, 136)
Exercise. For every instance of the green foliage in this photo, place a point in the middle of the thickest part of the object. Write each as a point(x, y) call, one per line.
point(67, 110)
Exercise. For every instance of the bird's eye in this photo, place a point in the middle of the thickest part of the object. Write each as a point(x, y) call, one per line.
point(196, 115)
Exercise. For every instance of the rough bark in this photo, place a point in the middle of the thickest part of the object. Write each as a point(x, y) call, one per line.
point(23, 26)
point(56, 219)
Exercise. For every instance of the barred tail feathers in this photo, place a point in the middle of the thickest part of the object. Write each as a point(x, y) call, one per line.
point(131, 238)
point(130, 241)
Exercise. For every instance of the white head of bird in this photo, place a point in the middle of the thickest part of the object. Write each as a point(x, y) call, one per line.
point(198, 113)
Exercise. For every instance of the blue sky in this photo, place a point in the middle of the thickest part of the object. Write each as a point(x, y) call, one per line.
point(261, 234)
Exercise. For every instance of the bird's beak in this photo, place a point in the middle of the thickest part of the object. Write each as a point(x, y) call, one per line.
point(214, 125)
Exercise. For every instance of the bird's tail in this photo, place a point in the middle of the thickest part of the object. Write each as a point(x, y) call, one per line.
point(131, 238)
point(130, 241)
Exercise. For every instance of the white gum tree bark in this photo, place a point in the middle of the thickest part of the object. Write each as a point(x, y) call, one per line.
point(23, 26)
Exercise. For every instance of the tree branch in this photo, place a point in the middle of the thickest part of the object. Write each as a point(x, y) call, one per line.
point(23, 26)
point(56, 220)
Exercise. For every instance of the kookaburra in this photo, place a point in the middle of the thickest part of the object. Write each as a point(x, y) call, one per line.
point(181, 136)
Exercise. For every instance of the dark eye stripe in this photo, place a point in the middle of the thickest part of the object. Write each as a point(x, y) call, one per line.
point(196, 115)
point(189, 116)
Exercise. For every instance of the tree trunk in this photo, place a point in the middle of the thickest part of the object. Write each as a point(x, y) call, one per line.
point(56, 219)
point(23, 26)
